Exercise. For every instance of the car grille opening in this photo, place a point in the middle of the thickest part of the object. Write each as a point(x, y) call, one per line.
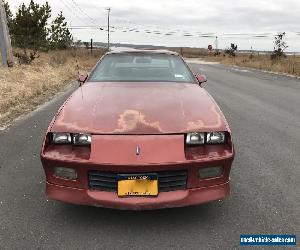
point(167, 180)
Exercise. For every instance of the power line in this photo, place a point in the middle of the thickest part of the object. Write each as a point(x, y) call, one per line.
point(73, 12)
point(78, 16)
point(184, 33)
point(83, 12)
point(173, 33)
point(78, 27)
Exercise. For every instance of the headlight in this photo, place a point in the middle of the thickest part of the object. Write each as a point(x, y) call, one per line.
point(215, 137)
point(195, 138)
point(61, 138)
point(75, 139)
point(82, 139)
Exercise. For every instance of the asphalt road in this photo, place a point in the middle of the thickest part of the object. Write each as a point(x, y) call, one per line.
point(264, 113)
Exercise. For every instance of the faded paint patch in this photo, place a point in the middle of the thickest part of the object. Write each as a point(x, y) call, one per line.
point(200, 125)
point(133, 120)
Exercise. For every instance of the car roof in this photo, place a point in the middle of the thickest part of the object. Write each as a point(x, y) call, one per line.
point(143, 51)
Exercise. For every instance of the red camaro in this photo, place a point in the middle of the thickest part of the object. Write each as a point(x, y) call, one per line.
point(140, 133)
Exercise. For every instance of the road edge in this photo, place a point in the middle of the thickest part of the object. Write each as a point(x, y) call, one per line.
point(201, 61)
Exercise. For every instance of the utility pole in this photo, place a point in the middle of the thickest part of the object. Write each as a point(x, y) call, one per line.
point(108, 26)
point(5, 43)
point(217, 45)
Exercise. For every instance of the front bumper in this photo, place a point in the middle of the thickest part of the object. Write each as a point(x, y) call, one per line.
point(116, 154)
point(177, 198)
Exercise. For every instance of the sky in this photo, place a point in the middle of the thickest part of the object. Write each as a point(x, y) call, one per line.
point(191, 23)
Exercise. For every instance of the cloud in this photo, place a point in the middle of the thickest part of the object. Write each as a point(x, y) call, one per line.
point(218, 16)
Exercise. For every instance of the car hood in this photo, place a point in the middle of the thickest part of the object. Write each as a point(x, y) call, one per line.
point(139, 108)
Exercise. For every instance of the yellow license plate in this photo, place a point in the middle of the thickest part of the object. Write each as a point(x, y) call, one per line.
point(137, 185)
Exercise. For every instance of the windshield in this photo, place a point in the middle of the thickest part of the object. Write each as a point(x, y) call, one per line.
point(142, 67)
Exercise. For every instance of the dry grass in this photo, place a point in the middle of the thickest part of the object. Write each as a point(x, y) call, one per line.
point(288, 65)
point(190, 52)
point(23, 87)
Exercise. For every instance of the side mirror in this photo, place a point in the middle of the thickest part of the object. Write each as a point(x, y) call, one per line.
point(201, 79)
point(82, 78)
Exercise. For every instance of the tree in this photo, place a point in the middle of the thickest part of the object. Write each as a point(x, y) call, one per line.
point(232, 50)
point(30, 32)
point(60, 35)
point(29, 28)
point(280, 46)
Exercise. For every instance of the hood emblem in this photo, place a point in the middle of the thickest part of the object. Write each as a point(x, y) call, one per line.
point(138, 150)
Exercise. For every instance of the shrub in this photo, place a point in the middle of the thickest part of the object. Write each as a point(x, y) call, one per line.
point(232, 50)
point(280, 46)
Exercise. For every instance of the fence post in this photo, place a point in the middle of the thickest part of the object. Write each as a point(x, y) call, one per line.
point(91, 46)
point(294, 61)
